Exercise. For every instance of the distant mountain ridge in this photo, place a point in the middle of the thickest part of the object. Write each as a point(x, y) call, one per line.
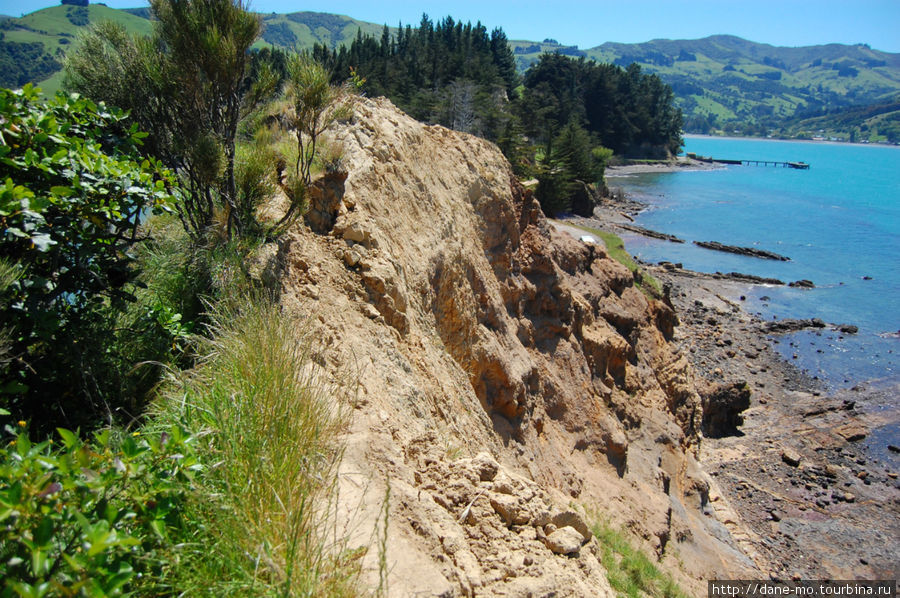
point(728, 83)
point(32, 47)
point(722, 82)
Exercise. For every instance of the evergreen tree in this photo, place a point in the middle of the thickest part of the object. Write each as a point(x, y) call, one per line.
point(449, 72)
point(188, 86)
point(629, 111)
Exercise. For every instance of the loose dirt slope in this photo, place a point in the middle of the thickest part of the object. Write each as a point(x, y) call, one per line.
point(512, 380)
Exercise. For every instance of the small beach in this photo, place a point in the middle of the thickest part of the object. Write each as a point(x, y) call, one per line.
point(678, 164)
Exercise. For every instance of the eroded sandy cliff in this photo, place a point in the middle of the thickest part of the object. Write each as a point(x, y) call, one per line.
point(513, 381)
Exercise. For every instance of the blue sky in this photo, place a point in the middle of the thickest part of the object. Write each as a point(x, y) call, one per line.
point(590, 23)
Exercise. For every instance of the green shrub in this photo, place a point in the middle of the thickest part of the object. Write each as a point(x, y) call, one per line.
point(93, 518)
point(554, 190)
point(187, 85)
point(311, 105)
point(255, 177)
point(78, 15)
point(72, 193)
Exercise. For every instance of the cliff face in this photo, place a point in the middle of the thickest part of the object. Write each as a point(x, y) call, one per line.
point(513, 382)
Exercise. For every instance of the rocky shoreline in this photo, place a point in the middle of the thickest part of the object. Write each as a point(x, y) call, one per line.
point(799, 471)
point(804, 482)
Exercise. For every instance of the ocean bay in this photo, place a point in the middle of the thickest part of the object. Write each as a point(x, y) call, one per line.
point(839, 222)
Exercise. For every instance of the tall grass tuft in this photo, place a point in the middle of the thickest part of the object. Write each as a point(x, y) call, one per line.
point(269, 423)
point(629, 571)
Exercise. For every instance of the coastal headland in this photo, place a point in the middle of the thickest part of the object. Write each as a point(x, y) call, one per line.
point(808, 475)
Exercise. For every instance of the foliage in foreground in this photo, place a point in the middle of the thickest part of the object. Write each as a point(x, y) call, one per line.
point(92, 518)
point(226, 491)
point(72, 192)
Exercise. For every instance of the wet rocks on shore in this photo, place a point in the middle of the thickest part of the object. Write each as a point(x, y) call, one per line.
point(748, 251)
point(789, 325)
point(651, 233)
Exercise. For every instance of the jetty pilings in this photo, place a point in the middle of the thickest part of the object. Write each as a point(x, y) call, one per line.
point(775, 163)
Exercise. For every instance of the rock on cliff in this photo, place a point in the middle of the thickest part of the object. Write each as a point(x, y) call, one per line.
point(506, 374)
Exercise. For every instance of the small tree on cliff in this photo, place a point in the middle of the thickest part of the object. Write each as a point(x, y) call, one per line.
point(311, 105)
point(574, 166)
point(187, 86)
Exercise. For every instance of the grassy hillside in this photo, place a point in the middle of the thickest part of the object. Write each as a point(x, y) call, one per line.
point(303, 29)
point(729, 84)
point(32, 47)
point(723, 83)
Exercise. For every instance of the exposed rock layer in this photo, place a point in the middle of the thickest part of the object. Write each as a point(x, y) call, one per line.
point(432, 278)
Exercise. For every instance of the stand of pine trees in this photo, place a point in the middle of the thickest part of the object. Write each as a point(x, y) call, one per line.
point(451, 73)
point(463, 77)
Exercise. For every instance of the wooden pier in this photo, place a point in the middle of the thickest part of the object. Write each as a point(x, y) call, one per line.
point(797, 165)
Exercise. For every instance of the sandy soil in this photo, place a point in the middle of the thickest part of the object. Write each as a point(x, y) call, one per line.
point(816, 493)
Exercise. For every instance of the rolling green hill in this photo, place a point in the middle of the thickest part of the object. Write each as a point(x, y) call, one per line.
point(722, 83)
point(303, 29)
point(729, 84)
point(32, 47)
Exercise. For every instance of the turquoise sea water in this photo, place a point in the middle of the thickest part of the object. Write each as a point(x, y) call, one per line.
point(839, 222)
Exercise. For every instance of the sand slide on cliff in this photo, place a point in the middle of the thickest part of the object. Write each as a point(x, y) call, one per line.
point(513, 382)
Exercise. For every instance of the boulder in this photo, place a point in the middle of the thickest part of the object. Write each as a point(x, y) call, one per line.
point(565, 540)
point(570, 518)
point(510, 509)
point(584, 200)
point(485, 466)
point(791, 457)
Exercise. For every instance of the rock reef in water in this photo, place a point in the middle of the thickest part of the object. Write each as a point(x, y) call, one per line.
point(748, 251)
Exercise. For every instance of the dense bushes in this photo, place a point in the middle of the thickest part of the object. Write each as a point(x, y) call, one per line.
point(96, 517)
point(225, 491)
point(72, 193)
